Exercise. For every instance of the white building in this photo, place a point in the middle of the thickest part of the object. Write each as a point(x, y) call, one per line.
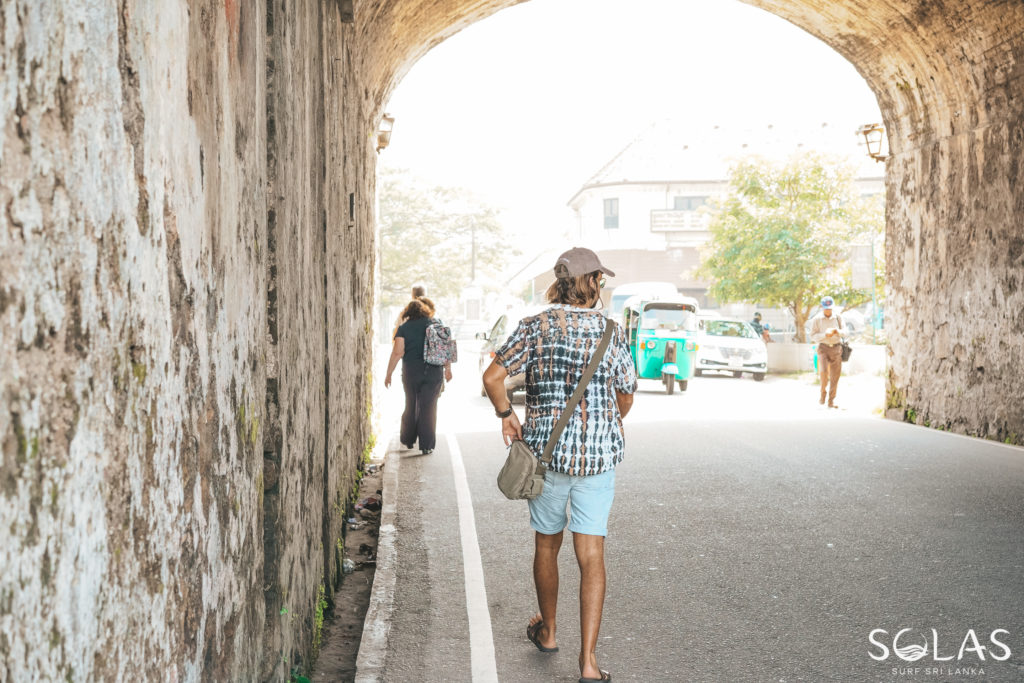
point(642, 212)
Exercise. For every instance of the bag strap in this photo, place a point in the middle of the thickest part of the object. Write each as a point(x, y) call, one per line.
point(563, 419)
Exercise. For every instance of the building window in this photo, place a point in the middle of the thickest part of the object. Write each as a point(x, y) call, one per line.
point(611, 213)
point(688, 203)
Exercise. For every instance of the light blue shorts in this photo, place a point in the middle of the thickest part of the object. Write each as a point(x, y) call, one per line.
point(589, 498)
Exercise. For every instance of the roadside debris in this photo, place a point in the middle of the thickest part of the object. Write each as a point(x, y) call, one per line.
point(370, 503)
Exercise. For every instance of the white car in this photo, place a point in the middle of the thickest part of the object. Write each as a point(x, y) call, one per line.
point(504, 326)
point(730, 345)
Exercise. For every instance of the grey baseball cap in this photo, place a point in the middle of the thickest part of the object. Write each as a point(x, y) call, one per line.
point(579, 261)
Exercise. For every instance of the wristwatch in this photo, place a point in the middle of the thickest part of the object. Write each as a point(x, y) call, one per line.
point(504, 414)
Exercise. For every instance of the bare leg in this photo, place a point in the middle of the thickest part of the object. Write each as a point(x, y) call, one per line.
point(590, 556)
point(545, 578)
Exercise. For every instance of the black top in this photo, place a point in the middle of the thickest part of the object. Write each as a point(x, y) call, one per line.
point(415, 334)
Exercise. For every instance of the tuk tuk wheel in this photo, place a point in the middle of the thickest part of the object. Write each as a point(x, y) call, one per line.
point(758, 376)
point(670, 383)
point(682, 384)
point(737, 374)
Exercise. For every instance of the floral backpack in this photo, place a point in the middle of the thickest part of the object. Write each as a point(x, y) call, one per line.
point(439, 347)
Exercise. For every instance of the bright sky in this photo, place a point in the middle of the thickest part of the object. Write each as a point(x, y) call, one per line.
point(522, 108)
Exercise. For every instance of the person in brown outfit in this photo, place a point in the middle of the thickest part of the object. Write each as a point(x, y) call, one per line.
point(825, 329)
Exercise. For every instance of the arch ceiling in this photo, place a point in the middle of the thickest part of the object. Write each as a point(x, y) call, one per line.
point(920, 57)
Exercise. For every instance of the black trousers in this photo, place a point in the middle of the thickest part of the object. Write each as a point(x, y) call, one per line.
point(422, 384)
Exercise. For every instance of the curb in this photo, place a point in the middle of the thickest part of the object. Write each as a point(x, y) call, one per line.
point(373, 645)
point(979, 440)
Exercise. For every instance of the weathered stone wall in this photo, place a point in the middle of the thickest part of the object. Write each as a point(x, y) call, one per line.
point(351, 257)
point(957, 298)
point(319, 218)
point(294, 452)
point(178, 297)
point(132, 328)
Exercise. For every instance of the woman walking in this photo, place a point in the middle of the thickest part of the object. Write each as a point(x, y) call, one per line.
point(422, 381)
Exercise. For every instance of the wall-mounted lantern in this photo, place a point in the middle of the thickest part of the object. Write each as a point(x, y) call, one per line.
point(875, 139)
point(387, 123)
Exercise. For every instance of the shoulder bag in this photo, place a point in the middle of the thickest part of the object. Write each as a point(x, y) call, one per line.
point(522, 476)
point(845, 349)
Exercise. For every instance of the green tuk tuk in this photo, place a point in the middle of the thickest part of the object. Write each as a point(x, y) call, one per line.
point(662, 337)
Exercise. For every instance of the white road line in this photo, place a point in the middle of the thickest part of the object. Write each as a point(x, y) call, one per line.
point(481, 641)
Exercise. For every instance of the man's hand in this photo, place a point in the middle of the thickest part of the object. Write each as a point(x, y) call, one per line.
point(494, 385)
point(511, 430)
point(387, 381)
point(448, 373)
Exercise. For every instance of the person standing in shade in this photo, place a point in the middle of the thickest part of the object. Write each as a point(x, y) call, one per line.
point(825, 329)
point(422, 381)
point(553, 348)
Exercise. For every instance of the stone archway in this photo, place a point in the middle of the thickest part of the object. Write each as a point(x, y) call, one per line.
point(186, 293)
point(948, 78)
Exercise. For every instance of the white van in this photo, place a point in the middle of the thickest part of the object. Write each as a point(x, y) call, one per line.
point(646, 290)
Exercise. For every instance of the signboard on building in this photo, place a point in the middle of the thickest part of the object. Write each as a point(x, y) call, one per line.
point(672, 220)
point(862, 259)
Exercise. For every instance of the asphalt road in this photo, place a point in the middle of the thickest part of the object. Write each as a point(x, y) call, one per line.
point(755, 537)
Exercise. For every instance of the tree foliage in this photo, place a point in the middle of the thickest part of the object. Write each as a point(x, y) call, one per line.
point(782, 235)
point(427, 235)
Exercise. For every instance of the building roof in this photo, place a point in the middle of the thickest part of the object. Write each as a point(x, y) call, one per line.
point(674, 151)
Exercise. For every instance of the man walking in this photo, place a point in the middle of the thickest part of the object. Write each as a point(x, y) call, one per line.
point(825, 329)
point(553, 348)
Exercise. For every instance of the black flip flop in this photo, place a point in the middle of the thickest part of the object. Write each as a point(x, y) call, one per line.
point(531, 633)
point(605, 678)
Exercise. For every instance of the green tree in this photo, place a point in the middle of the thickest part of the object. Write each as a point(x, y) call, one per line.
point(427, 236)
point(782, 234)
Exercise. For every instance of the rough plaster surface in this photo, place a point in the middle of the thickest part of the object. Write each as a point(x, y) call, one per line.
point(320, 341)
point(186, 276)
point(138, 275)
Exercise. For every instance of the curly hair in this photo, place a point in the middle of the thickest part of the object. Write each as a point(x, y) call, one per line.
point(581, 290)
point(418, 308)
point(431, 309)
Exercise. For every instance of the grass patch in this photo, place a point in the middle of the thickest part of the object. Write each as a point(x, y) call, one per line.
point(318, 620)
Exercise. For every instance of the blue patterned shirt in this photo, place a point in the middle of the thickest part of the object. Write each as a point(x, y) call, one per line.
point(553, 349)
